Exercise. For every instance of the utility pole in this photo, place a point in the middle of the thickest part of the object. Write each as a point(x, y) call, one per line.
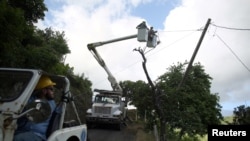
point(194, 54)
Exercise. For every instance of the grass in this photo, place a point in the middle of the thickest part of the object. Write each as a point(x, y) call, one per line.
point(142, 135)
point(227, 120)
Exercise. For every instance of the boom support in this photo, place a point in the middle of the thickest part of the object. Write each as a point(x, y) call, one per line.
point(143, 36)
point(109, 106)
point(92, 48)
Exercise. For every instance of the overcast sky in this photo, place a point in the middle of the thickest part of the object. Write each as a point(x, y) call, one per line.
point(224, 52)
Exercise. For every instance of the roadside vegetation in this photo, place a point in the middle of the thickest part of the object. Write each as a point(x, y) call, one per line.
point(189, 108)
point(145, 135)
point(23, 45)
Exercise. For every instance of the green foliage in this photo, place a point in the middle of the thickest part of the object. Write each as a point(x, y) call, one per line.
point(12, 26)
point(171, 136)
point(228, 120)
point(22, 45)
point(241, 115)
point(33, 9)
point(140, 94)
point(82, 92)
point(189, 109)
point(55, 40)
point(47, 51)
point(192, 107)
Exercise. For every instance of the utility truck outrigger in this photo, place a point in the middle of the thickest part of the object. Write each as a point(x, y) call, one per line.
point(108, 105)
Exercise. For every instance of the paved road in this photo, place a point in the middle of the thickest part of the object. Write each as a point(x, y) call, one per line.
point(108, 133)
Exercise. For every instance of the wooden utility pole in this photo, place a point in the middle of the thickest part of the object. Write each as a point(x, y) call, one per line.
point(194, 54)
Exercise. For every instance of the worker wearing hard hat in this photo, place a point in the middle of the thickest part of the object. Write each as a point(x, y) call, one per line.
point(28, 130)
point(46, 86)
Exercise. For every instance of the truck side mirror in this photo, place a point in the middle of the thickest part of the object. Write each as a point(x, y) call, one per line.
point(37, 111)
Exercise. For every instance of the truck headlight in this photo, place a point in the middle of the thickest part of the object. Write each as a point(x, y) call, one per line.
point(117, 113)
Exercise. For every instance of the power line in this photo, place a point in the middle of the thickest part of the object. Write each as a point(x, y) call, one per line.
point(172, 43)
point(231, 28)
point(188, 30)
point(194, 30)
point(232, 52)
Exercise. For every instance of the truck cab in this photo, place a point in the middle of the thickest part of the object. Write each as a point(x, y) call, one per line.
point(16, 88)
point(108, 108)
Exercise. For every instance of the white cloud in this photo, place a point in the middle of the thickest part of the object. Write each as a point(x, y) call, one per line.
point(91, 21)
point(230, 77)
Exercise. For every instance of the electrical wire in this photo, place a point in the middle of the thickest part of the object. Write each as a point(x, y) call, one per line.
point(174, 42)
point(232, 52)
point(230, 28)
point(181, 30)
point(194, 30)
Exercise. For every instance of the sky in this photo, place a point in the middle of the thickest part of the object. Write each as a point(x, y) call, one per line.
point(224, 51)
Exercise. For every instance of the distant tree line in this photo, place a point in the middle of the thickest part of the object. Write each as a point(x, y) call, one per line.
point(241, 115)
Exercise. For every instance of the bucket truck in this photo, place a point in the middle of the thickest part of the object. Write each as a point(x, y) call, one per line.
point(108, 106)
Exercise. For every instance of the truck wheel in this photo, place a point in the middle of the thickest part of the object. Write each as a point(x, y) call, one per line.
point(88, 139)
point(89, 125)
point(119, 126)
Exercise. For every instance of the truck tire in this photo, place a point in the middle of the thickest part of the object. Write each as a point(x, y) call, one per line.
point(89, 125)
point(118, 126)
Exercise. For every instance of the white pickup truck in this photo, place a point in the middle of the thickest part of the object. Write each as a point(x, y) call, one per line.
point(16, 87)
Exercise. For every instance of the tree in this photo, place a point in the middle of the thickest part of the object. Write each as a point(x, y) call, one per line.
point(22, 45)
point(241, 115)
point(156, 98)
point(139, 93)
point(192, 107)
point(12, 25)
point(19, 32)
point(82, 93)
point(47, 50)
point(33, 9)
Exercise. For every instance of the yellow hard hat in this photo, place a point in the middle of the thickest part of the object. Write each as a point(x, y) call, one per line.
point(44, 81)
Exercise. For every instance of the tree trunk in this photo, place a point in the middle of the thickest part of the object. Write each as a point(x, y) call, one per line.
point(180, 134)
point(163, 130)
point(156, 133)
point(156, 101)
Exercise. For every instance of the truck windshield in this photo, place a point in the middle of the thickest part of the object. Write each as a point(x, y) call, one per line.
point(106, 99)
point(12, 84)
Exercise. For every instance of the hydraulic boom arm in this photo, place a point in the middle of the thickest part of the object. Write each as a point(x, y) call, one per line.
point(92, 48)
point(142, 36)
